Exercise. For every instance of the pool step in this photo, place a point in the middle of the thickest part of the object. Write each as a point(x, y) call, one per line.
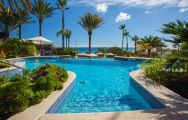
point(101, 96)
point(105, 100)
point(132, 105)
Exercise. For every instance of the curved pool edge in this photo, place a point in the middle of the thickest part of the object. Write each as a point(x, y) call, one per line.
point(160, 92)
point(176, 107)
point(38, 110)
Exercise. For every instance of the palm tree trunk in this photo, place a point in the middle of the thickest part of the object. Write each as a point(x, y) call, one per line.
point(122, 41)
point(161, 51)
point(135, 46)
point(127, 43)
point(69, 43)
point(149, 52)
point(66, 43)
point(20, 31)
point(90, 34)
point(63, 27)
point(40, 26)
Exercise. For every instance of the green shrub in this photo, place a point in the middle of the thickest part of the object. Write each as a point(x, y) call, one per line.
point(52, 70)
point(116, 51)
point(61, 51)
point(15, 96)
point(38, 97)
point(154, 69)
point(102, 49)
point(30, 88)
point(15, 47)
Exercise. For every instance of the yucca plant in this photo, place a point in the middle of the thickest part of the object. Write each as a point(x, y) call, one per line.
point(62, 5)
point(90, 22)
point(42, 10)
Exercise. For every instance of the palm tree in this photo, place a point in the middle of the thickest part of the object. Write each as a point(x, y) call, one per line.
point(42, 10)
point(8, 22)
point(68, 37)
point(178, 29)
point(62, 5)
point(175, 41)
point(126, 34)
point(22, 18)
point(135, 39)
point(151, 41)
point(122, 28)
point(90, 22)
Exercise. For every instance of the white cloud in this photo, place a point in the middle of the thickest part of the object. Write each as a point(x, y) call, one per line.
point(135, 3)
point(183, 10)
point(147, 12)
point(102, 8)
point(122, 17)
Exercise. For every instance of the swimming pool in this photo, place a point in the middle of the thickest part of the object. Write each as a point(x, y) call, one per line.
point(102, 85)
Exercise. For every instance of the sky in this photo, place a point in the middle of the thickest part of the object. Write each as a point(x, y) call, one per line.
point(142, 18)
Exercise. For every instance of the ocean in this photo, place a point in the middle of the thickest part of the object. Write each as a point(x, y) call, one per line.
point(95, 49)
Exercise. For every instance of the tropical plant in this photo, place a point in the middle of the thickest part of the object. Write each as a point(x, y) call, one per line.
point(90, 22)
point(61, 51)
point(116, 50)
point(122, 28)
point(149, 42)
point(13, 15)
point(22, 18)
point(16, 47)
point(135, 39)
point(68, 35)
point(62, 5)
point(102, 49)
point(179, 29)
point(22, 91)
point(8, 22)
point(42, 10)
point(126, 34)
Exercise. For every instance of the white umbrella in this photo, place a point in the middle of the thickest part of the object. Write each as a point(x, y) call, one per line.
point(40, 40)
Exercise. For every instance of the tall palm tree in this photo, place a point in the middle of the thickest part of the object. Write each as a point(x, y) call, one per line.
point(68, 37)
point(122, 28)
point(22, 18)
point(151, 41)
point(90, 22)
point(42, 10)
point(178, 29)
point(62, 5)
point(175, 41)
point(135, 39)
point(8, 22)
point(126, 34)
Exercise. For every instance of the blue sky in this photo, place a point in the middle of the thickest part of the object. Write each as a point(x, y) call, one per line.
point(142, 18)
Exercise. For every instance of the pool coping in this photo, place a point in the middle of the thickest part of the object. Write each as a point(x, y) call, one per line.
point(49, 56)
point(176, 106)
point(38, 110)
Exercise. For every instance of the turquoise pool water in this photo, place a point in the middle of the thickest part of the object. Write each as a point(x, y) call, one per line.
point(102, 85)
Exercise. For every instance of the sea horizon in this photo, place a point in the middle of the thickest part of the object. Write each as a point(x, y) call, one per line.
point(95, 49)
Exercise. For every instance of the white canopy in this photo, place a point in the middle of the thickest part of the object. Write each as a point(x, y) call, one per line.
point(40, 40)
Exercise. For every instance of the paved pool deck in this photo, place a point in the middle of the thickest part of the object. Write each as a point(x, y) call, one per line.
point(176, 107)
